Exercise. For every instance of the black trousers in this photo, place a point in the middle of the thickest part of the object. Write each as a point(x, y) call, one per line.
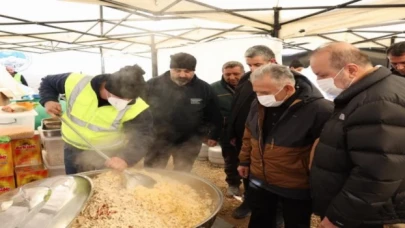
point(184, 154)
point(230, 155)
point(264, 204)
point(234, 162)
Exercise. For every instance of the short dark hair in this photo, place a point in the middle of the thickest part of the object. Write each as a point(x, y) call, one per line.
point(397, 49)
point(232, 64)
point(128, 82)
point(260, 50)
point(296, 64)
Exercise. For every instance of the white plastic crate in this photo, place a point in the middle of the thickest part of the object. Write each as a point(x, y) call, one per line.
point(20, 119)
point(54, 147)
point(215, 156)
point(203, 155)
point(53, 170)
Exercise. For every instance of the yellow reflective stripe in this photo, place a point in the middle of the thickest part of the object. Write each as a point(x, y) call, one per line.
point(118, 144)
point(73, 96)
point(76, 91)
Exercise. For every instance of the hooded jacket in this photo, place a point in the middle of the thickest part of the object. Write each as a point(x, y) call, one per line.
point(358, 171)
point(279, 162)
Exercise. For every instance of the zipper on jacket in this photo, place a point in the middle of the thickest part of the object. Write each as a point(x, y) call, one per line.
point(261, 149)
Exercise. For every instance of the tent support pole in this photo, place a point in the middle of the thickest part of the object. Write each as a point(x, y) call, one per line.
point(101, 21)
point(154, 56)
point(277, 25)
point(102, 60)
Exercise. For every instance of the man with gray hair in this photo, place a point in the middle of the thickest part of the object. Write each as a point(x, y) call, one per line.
point(281, 128)
point(255, 56)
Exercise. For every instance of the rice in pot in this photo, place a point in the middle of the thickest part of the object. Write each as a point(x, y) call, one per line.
point(169, 204)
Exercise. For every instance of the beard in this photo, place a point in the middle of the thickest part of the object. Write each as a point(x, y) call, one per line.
point(181, 82)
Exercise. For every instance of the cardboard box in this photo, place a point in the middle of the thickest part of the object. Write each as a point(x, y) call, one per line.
point(27, 152)
point(4, 99)
point(25, 175)
point(6, 160)
point(6, 184)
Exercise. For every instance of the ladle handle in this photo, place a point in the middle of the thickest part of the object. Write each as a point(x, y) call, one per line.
point(99, 152)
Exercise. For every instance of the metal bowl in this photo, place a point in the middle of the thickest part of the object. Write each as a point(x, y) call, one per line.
point(68, 196)
point(201, 185)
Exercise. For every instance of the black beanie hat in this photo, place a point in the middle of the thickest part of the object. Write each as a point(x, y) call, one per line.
point(183, 61)
point(127, 83)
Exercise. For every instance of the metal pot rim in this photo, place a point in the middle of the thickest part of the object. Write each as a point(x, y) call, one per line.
point(214, 213)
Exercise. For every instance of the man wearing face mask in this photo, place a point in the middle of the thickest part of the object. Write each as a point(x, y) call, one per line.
point(107, 110)
point(184, 107)
point(282, 126)
point(224, 89)
point(358, 170)
point(255, 56)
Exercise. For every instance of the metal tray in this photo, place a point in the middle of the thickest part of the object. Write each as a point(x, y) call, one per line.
point(69, 195)
point(55, 132)
point(51, 123)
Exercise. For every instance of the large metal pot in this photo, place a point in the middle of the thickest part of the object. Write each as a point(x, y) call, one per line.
point(199, 184)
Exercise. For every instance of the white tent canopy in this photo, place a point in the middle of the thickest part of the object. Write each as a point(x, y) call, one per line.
point(142, 26)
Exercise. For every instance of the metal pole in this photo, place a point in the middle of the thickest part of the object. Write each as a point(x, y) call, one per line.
point(277, 25)
point(102, 60)
point(101, 21)
point(154, 56)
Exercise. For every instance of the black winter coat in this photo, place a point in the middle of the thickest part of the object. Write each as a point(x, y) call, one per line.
point(358, 172)
point(183, 112)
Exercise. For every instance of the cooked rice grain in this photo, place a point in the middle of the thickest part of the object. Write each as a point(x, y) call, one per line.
point(169, 204)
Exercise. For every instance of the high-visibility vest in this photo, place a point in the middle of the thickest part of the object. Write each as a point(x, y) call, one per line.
point(17, 77)
point(102, 126)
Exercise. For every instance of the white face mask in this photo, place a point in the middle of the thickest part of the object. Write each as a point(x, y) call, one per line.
point(117, 103)
point(328, 85)
point(270, 100)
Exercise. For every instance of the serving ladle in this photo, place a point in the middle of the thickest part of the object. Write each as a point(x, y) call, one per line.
point(132, 179)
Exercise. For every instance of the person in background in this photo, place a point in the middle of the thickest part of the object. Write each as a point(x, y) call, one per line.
point(107, 110)
point(277, 144)
point(224, 89)
point(185, 111)
point(358, 169)
point(255, 56)
point(296, 65)
point(396, 56)
point(17, 76)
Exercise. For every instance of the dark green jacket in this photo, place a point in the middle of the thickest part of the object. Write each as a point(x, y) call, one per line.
point(224, 92)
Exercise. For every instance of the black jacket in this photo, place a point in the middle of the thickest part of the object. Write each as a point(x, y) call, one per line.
point(225, 93)
point(182, 112)
point(358, 172)
point(241, 103)
point(138, 130)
